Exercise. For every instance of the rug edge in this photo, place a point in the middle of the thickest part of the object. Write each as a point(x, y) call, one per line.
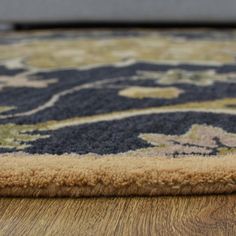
point(88, 175)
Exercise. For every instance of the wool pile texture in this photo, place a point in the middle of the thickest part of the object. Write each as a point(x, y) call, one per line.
point(117, 112)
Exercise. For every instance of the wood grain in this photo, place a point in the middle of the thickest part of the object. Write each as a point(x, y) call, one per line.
point(199, 215)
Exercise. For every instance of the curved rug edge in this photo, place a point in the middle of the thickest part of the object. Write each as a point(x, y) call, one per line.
point(72, 175)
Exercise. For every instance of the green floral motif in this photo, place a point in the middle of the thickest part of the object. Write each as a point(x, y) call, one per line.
point(14, 136)
point(200, 139)
point(24, 80)
point(146, 92)
point(95, 51)
point(200, 78)
point(6, 108)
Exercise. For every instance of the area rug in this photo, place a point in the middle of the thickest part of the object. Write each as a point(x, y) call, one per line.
point(117, 112)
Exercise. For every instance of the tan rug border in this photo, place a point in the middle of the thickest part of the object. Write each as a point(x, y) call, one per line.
point(92, 175)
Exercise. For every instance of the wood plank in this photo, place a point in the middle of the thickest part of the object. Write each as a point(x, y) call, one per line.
point(198, 215)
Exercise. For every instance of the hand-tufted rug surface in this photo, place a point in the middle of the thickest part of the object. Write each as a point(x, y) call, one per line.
point(114, 113)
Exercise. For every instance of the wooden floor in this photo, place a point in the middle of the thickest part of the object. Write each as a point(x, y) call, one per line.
point(205, 215)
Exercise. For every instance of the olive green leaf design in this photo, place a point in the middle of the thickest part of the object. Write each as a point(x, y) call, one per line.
point(177, 76)
point(200, 139)
point(6, 108)
point(94, 51)
point(24, 80)
point(14, 136)
point(147, 92)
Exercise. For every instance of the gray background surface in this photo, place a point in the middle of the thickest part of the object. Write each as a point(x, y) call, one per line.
point(187, 11)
